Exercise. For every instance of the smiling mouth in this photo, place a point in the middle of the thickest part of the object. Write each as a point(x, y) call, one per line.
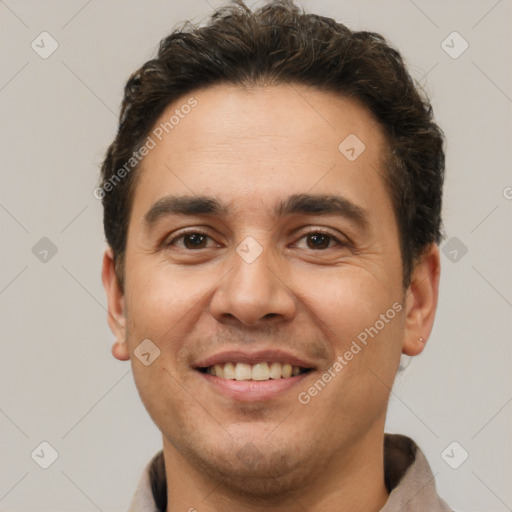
point(256, 372)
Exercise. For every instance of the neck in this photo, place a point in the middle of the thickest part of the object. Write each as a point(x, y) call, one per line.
point(350, 481)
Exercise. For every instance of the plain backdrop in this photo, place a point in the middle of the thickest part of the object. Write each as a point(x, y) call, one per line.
point(58, 380)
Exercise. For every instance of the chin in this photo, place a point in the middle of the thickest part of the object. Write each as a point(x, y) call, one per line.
point(256, 473)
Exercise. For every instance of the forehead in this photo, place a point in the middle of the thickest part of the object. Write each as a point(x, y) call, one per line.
point(288, 114)
point(262, 142)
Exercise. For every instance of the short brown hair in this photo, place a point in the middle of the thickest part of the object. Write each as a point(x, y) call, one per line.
point(280, 43)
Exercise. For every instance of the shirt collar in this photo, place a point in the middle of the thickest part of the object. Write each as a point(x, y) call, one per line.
point(408, 478)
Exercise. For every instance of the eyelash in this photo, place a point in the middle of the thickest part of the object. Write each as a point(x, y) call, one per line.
point(312, 232)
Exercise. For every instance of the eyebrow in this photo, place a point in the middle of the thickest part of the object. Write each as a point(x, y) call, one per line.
point(305, 204)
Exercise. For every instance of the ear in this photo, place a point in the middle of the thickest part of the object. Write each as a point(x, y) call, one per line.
point(421, 301)
point(116, 312)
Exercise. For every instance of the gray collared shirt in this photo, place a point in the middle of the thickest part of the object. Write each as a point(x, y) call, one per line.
point(407, 473)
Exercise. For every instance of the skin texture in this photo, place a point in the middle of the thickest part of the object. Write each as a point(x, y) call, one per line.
point(250, 148)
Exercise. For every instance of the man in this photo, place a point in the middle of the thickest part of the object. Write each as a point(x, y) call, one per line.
point(272, 207)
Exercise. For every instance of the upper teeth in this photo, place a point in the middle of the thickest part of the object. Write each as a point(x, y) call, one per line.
point(258, 371)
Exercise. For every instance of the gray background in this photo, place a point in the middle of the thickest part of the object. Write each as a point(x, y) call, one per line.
point(59, 382)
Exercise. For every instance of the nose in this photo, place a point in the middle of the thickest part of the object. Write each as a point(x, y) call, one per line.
point(253, 293)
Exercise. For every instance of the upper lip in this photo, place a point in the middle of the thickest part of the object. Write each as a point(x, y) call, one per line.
point(260, 356)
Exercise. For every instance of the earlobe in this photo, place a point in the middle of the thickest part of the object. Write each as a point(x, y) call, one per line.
point(116, 309)
point(421, 301)
point(120, 350)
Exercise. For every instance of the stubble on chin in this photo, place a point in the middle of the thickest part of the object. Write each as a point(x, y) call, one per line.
point(263, 474)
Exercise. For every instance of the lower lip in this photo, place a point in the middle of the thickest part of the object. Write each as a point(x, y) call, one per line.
point(254, 390)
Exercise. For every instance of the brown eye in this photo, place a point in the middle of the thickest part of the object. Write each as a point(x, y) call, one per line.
point(318, 240)
point(194, 240)
point(191, 240)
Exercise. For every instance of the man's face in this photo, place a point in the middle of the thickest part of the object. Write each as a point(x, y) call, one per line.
point(255, 283)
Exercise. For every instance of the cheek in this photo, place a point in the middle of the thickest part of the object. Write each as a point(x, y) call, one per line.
point(362, 318)
point(349, 299)
point(156, 307)
point(153, 311)
point(157, 298)
point(164, 398)
point(164, 305)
